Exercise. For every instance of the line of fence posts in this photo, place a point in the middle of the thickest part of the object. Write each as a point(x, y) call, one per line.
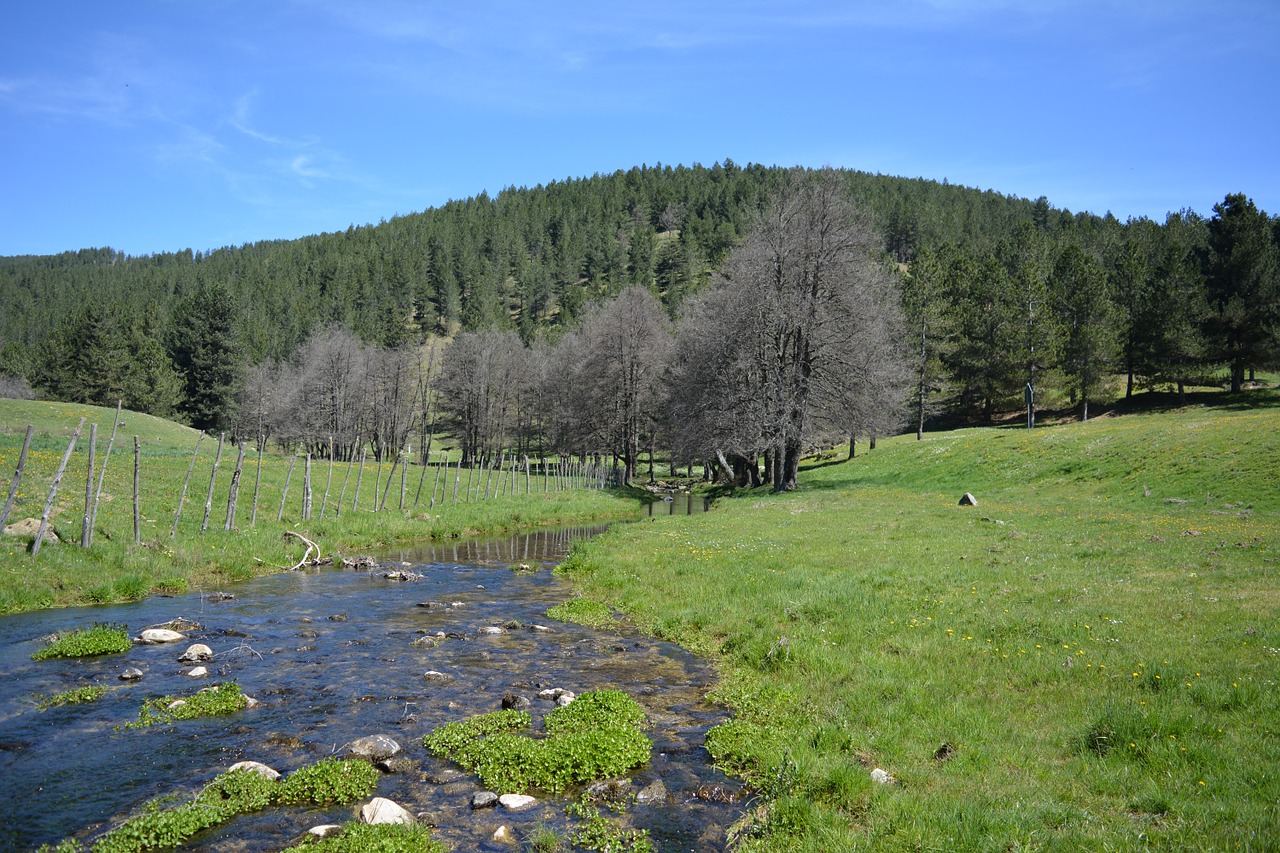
point(495, 479)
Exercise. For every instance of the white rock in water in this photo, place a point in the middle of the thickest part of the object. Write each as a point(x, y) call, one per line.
point(374, 747)
point(550, 693)
point(491, 629)
point(196, 653)
point(324, 830)
point(502, 835)
point(160, 635)
point(259, 768)
point(382, 810)
point(565, 698)
point(517, 802)
point(197, 672)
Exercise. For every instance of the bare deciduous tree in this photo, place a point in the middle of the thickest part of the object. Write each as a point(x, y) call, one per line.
point(797, 338)
point(610, 371)
point(479, 375)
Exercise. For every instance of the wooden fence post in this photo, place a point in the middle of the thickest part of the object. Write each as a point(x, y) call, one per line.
point(306, 489)
point(137, 491)
point(355, 502)
point(422, 478)
point(435, 485)
point(351, 460)
point(287, 477)
point(233, 495)
point(102, 471)
point(53, 489)
point(17, 477)
point(324, 501)
point(257, 481)
point(208, 501)
point(86, 523)
point(404, 478)
point(183, 497)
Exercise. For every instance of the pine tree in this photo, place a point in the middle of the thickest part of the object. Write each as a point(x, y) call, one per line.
point(205, 348)
point(1243, 278)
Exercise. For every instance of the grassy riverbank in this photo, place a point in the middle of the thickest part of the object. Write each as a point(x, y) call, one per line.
point(1086, 660)
point(114, 568)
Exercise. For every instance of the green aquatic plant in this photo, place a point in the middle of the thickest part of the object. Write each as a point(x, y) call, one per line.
point(161, 824)
point(328, 782)
point(380, 838)
point(211, 702)
point(99, 639)
point(596, 740)
point(233, 793)
point(596, 832)
point(76, 696)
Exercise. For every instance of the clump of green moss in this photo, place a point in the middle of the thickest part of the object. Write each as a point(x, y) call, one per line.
point(161, 824)
point(233, 793)
point(382, 838)
point(100, 639)
point(327, 782)
point(595, 737)
point(75, 696)
point(210, 702)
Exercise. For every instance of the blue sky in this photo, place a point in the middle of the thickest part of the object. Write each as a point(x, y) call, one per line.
point(158, 126)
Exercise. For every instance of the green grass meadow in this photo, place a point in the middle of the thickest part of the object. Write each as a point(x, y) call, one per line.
point(114, 568)
point(1086, 660)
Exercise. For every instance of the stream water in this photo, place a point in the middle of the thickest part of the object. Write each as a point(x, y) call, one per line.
point(337, 654)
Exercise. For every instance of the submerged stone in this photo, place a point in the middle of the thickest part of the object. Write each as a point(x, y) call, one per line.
point(374, 747)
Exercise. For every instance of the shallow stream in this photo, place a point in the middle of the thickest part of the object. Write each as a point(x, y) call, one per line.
point(337, 654)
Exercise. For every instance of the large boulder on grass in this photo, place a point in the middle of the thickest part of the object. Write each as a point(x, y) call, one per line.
point(968, 500)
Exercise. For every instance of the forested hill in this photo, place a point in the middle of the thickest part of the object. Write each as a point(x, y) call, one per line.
point(525, 259)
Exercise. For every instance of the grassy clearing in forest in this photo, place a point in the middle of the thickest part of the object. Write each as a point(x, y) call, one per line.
point(1087, 659)
point(114, 568)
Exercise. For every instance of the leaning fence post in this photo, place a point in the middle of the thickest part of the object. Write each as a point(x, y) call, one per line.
point(102, 471)
point(324, 501)
point(208, 501)
point(86, 523)
point(355, 501)
point(306, 489)
point(351, 460)
point(53, 489)
point(17, 476)
point(233, 494)
point(287, 477)
point(257, 481)
point(183, 497)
